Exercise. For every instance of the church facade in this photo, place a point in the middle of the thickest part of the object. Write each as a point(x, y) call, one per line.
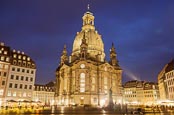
point(85, 77)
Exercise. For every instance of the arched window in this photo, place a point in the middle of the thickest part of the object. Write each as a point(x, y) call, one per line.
point(93, 80)
point(82, 82)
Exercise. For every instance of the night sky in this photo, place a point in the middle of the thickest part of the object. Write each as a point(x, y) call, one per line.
point(141, 30)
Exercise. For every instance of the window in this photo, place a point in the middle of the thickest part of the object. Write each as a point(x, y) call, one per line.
point(17, 77)
point(2, 58)
point(31, 79)
point(13, 69)
point(3, 82)
point(9, 93)
point(19, 63)
point(16, 85)
point(7, 59)
point(14, 55)
point(28, 65)
point(27, 71)
point(23, 70)
point(18, 70)
point(14, 62)
point(26, 79)
point(12, 76)
point(24, 57)
point(10, 85)
point(14, 94)
point(1, 91)
point(5, 74)
point(82, 82)
point(30, 87)
point(32, 72)
point(24, 63)
point(20, 86)
point(6, 66)
point(28, 59)
point(22, 77)
point(5, 52)
point(19, 56)
point(25, 86)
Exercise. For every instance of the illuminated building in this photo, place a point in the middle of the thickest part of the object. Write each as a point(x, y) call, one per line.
point(20, 72)
point(4, 70)
point(170, 80)
point(162, 84)
point(85, 77)
point(140, 92)
point(44, 93)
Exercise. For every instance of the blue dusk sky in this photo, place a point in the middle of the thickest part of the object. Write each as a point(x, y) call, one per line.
point(141, 30)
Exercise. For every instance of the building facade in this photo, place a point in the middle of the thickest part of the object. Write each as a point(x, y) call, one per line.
point(166, 82)
point(44, 94)
point(140, 92)
point(170, 80)
point(17, 75)
point(162, 84)
point(85, 77)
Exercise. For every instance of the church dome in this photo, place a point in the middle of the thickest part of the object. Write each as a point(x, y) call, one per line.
point(93, 39)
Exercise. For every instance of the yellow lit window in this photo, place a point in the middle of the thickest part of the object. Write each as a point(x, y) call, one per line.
point(14, 94)
point(28, 59)
point(2, 58)
point(1, 91)
point(14, 55)
point(19, 56)
point(24, 58)
point(82, 82)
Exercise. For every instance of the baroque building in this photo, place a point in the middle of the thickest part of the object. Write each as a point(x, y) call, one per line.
point(140, 92)
point(44, 93)
point(85, 77)
point(166, 82)
point(17, 76)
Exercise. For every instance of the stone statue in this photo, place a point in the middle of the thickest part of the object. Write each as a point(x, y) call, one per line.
point(111, 104)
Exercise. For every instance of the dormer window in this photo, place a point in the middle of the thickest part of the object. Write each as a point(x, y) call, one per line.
point(24, 58)
point(19, 56)
point(14, 55)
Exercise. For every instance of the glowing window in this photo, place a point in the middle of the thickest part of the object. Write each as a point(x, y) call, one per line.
point(2, 58)
point(14, 55)
point(9, 93)
point(82, 82)
point(7, 59)
point(5, 52)
point(82, 76)
point(14, 94)
point(1, 91)
point(28, 59)
point(19, 56)
point(24, 58)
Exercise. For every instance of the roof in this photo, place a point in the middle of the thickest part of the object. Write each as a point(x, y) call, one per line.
point(170, 66)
